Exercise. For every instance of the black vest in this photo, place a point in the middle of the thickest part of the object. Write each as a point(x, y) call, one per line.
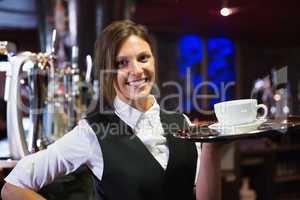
point(132, 173)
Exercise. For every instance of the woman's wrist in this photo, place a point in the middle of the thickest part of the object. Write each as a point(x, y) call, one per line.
point(211, 151)
point(211, 147)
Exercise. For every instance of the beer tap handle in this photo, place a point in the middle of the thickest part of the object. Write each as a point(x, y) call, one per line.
point(89, 64)
point(7, 83)
point(5, 67)
point(53, 44)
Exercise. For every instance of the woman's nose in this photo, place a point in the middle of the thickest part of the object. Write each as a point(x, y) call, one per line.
point(136, 68)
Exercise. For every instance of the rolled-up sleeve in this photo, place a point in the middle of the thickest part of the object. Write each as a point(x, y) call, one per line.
point(60, 158)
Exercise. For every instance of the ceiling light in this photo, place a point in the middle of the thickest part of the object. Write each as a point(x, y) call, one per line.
point(225, 11)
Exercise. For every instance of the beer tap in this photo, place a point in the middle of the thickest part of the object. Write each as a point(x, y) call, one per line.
point(5, 66)
point(37, 65)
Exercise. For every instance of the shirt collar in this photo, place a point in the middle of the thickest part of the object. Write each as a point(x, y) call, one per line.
point(130, 115)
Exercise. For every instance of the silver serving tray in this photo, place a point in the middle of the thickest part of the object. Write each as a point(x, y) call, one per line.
point(270, 128)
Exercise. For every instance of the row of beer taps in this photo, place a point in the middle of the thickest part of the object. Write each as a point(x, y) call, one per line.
point(53, 99)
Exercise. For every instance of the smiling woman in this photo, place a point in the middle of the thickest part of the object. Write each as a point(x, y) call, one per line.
point(130, 151)
point(136, 72)
point(125, 60)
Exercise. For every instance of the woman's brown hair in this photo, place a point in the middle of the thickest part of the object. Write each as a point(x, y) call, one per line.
point(106, 50)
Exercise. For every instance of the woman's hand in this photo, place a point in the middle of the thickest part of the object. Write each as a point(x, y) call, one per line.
point(12, 192)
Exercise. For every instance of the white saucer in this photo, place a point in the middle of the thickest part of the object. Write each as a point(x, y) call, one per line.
point(237, 129)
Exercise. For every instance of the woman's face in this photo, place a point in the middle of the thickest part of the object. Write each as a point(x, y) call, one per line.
point(136, 70)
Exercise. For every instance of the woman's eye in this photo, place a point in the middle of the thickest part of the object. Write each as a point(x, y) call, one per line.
point(144, 58)
point(122, 63)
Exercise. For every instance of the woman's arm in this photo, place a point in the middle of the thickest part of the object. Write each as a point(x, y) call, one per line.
point(37, 170)
point(12, 192)
point(208, 186)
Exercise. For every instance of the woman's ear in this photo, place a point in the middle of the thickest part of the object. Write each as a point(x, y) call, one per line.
point(116, 85)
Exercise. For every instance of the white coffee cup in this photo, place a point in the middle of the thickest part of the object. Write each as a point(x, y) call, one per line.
point(239, 111)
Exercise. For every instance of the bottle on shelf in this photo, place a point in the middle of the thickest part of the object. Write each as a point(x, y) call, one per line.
point(246, 193)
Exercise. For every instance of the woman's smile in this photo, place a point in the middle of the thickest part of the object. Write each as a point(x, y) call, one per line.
point(138, 82)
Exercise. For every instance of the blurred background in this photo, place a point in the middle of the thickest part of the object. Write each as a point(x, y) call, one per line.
point(220, 49)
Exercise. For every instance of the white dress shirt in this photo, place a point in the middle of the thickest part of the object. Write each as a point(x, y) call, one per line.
point(81, 146)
